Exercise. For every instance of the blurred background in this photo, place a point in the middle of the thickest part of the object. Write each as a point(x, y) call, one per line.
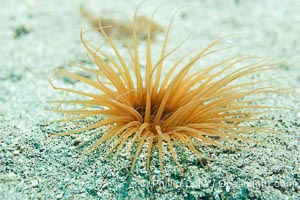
point(38, 36)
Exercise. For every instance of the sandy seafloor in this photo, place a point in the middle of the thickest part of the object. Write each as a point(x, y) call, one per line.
point(38, 36)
